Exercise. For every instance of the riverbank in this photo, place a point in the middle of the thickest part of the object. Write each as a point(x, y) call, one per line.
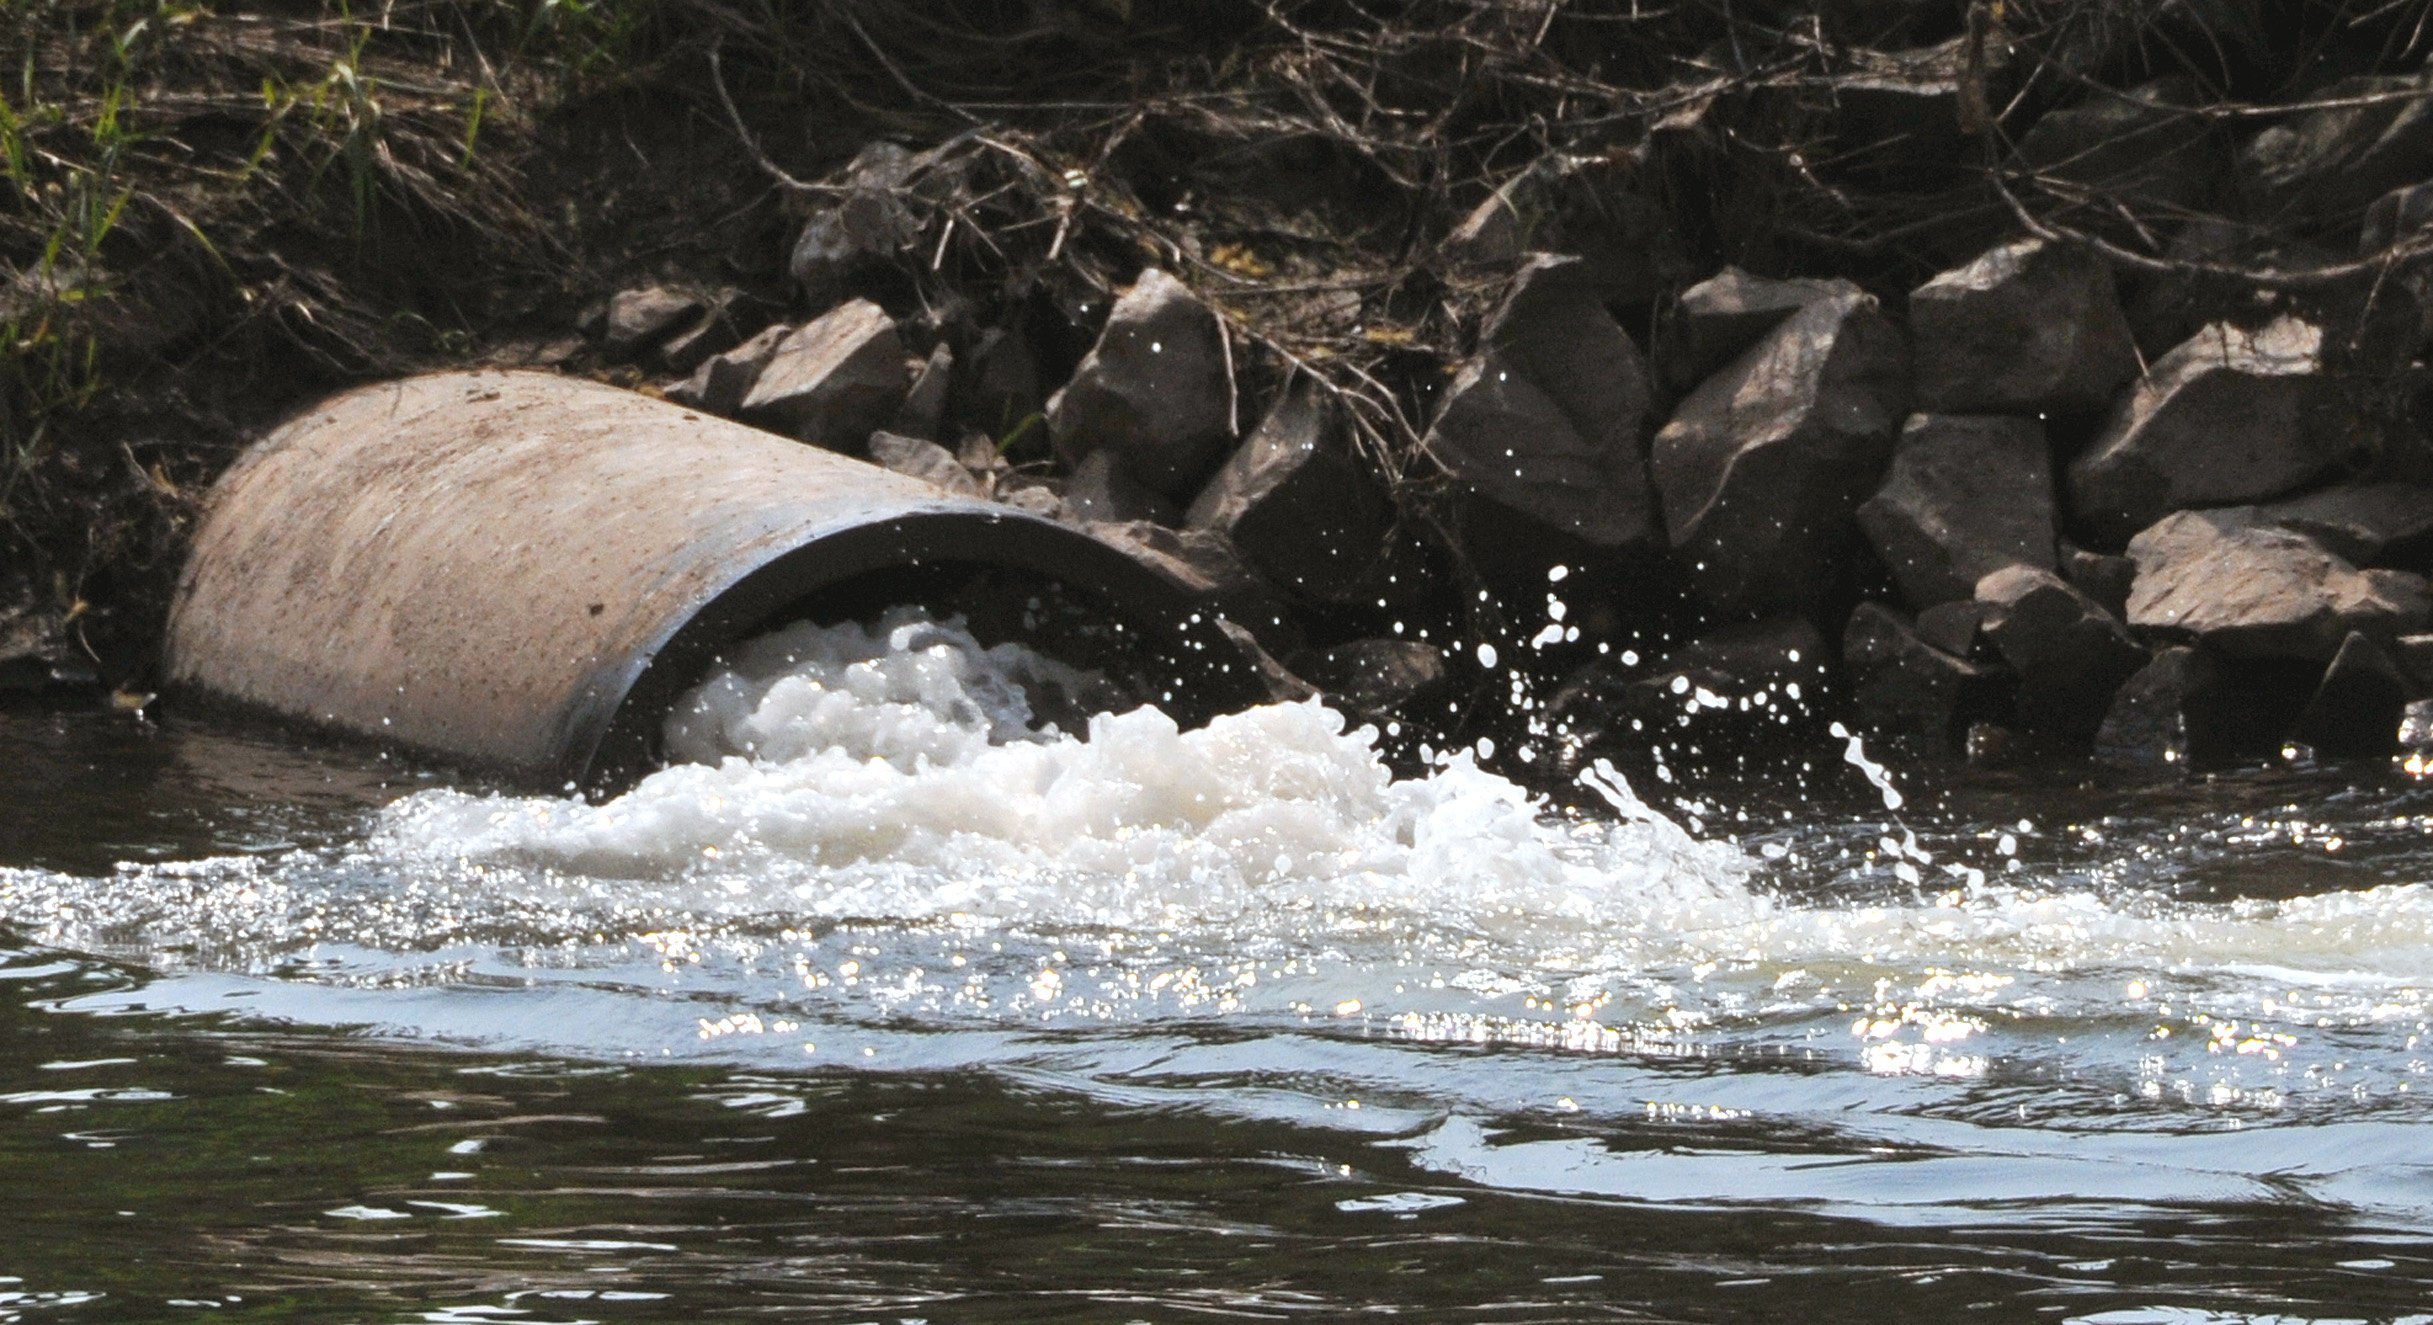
point(1566, 378)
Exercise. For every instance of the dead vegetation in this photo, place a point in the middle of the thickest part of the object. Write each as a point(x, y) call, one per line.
point(210, 213)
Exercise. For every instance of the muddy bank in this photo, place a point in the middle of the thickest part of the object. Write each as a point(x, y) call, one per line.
point(2003, 381)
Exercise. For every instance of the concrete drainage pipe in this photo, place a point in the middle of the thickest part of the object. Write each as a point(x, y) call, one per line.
point(521, 572)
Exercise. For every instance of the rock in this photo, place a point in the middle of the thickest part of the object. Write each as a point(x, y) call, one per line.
point(1967, 494)
point(2361, 522)
point(1100, 491)
point(1730, 687)
point(723, 380)
point(868, 223)
point(2027, 327)
point(714, 332)
point(1301, 508)
point(834, 381)
point(1157, 390)
point(1545, 426)
point(2324, 164)
point(1034, 498)
point(1957, 628)
point(1375, 677)
point(2356, 710)
point(2395, 216)
point(924, 410)
point(999, 390)
point(2171, 712)
point(2414, 654)
point(2143, 146)
point(1761, 468)
point(925, 460)
point(1282, 686)
point(2068, 653)
point(1902, 687)
point(1748, 660)
point(640, 317)
point(2263, 592)
point(2099, 575)
point(2228, 416)
point(2416, 733)
point(1898, 115)
point(1205, 566)
point(1726, 313)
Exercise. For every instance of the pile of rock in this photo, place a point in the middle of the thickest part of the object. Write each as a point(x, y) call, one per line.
point(1980, 516)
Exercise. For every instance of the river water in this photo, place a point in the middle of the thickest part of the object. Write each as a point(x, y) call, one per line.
point(886, 1007)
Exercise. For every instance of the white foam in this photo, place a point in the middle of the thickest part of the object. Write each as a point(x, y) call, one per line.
point(891, 773)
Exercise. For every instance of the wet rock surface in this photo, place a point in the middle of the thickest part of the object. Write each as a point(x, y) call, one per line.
point(2069, 654)
point(1301, 508)
point(1903, 687)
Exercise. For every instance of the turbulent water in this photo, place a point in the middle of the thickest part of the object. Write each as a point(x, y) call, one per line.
point(2048, 1032)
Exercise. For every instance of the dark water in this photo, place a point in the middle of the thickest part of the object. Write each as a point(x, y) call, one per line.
point(2169, 1069)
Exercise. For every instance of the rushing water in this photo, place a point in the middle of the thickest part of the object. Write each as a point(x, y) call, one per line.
point(886, 1006)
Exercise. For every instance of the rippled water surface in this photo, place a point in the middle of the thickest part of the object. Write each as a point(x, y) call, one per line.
point(889, 1009)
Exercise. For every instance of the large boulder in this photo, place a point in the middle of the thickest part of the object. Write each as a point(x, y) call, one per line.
point(2263, 591)
point(1761, 468)
point(1300, 507)
point(1726, 313)
point(2371, 134)
point(1967, 495)
point(835, 380)
point(2230, 415)
point(639, 318)
point(1156, 391)
point(2178, 709)
point(2068, 653)
point(1902, 687)
point(2027, 327)
point(1544, 429)
point(722, 381)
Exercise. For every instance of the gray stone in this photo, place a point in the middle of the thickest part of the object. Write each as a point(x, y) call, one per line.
point(2144, 146)
point(1967, 495)
point(2416, 731)
point(1726, 313)
point(2414, 654)
point(1203, 564)
point(1547, 422)
point(1746, 660)
point(714, 332)
point(835, 380)
point(2099, 575)
point(998, 390)
point(1902, 687)
point(2028, 326)
point(1375, 677)
point(924, 460)
point(2359, 521)
point(2332, 162)
point(2395, 216)
point(2167, 714)
point(2228, 416)
point(2068, 653)
point(2356, 709)
point(924, 410)
point(1034, 498)
point(1761, 468)
point(1302, 509)
point(867, 223)
point(1282, 686)
point(2263, 592)
point(723, 380)
point(639, 318)
point(1099, 490)
point(1957, 628)
point(1157, 390)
